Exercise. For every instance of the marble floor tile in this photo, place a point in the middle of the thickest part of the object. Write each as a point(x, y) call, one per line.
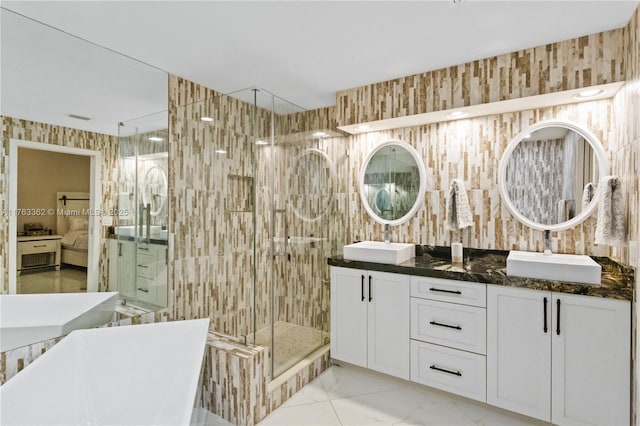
point(66, 280)
point(350, 395)
point(316, 414)
point(343, 382)
point(311, 393)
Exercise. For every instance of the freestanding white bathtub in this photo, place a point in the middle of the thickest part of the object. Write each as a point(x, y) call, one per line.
point(130, 375)
point(31, 318)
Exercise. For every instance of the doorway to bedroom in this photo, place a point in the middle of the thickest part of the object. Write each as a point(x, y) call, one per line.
point(53, 228)
point(52, 196)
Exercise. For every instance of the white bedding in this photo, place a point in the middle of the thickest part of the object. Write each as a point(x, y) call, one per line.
point(78, 240)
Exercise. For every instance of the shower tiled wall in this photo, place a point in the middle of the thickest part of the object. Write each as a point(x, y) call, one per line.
point(50, 134)
point(211, 219)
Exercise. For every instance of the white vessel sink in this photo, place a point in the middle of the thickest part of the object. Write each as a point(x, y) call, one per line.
point(557, 267)
point(379, 252)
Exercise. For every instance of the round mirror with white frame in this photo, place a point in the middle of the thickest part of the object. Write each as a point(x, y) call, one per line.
point(549, 174)
point(392, 182)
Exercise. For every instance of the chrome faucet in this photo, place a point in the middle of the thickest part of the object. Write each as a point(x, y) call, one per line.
point(386, 233)
point(548, 242)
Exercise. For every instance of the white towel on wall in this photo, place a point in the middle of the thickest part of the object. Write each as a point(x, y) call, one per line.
point(610, 226)
point(458, 211)
point(587, 194)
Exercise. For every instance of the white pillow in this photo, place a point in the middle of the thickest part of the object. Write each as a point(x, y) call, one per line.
point(78, 223)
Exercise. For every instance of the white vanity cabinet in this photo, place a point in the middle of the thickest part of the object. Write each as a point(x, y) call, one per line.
point(370, 319)
point(122, 255)
point(151, 273)
point(448, 332)
point(558, 357)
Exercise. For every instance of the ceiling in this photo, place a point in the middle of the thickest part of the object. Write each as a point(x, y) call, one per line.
point(303, 51)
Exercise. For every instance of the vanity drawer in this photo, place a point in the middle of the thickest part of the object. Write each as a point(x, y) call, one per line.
point(144, 290)
point(457, 326)
point(454, 371)
point(40, 246)
point(474, 294)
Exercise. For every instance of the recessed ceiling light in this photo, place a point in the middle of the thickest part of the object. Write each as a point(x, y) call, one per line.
point(363, 127)
point(457, 114)
point(206, 118)
point(586, 94)
point(261, 142)
point(221, 151)
point(155, 139)
point(319, 134)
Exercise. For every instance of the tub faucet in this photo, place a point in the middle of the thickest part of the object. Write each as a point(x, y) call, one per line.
point(386, 233)
point(547, 243)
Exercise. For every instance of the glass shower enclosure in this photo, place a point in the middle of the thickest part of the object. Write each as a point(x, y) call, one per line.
point(140, 227)
point(273, 183)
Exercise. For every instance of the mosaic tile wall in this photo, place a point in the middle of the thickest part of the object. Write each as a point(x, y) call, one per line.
point(626, 165)
point(532, 174)
point(570, 64)
point(471, 150)
point(50, 134)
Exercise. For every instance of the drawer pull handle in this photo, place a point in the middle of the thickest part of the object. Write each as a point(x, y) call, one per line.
point(41, 245)
point(445, 291)
point(370, 297)
point(143, 248)
point(558, 322)
point(439, 324)
point(143, 266)
point(142, 289)
point(362, 289)
point(545, 315)
point(444, 370)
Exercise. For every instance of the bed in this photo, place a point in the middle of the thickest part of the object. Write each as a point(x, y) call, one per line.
point(73, 224)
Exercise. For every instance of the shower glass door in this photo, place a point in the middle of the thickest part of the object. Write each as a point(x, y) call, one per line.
point(295, 193)
point(142, 203)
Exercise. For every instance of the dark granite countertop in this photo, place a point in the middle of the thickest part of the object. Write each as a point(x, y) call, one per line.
point(490, 267)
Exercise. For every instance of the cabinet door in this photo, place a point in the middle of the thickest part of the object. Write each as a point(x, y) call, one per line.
point(519, 350)
point(389, 328)
point(113, 265)
point(127, 268)
point(591, 360)
point(349, 315)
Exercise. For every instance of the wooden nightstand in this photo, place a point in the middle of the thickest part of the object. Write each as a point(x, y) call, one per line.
point(38, 252)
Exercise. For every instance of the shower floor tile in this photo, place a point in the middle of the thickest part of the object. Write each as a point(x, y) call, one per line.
point(293, 343)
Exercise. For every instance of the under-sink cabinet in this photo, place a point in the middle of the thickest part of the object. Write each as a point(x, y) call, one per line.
point(370, 319)
point(448, 336)
point(559, 357)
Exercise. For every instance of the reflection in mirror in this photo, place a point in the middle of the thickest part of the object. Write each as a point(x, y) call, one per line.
point(551, 175)
point(393, 183)
point(64, 92)
point(310, 181)
point(154, 192)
